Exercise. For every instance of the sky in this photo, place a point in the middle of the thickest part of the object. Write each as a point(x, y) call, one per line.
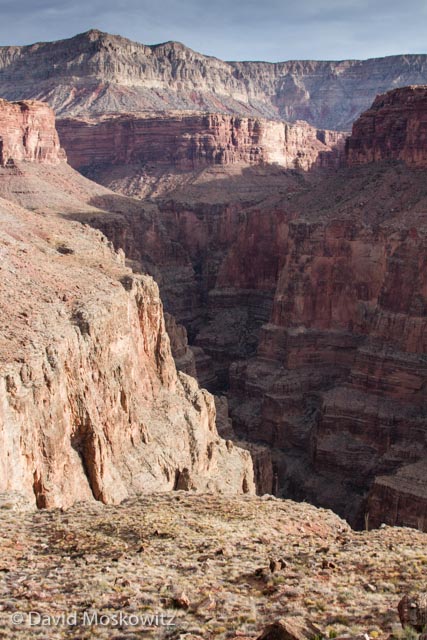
point(272, 30)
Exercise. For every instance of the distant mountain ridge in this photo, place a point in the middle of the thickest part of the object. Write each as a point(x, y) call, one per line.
point(96, 72)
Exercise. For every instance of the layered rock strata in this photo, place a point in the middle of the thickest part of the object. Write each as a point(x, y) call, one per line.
point(394, 128)
point(310, 304)
point(97, 72)
point(190, 141)
point(341, 370)
point(27, 132)
point(337, 387)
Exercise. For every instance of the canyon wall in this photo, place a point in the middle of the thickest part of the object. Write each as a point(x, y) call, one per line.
point(341, 368)
point(394, 128)
point(95, 72)
point(338, 385)
point(190, 141)
point(27, 132)
point(91, 404)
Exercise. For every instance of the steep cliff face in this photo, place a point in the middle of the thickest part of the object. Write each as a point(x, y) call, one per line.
point(99, 73)
point(341, 366)
point(394, 128)
point(189, 142)
point(27, 132)
point(91, 404)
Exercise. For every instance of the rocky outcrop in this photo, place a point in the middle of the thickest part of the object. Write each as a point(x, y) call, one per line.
point(91, 404)
point(96, 72)
point(182, 353)
point(394, 128)
point(400, 498)
point(27, 132)
point(413, 611)
point(189, 142)
point(292, 628)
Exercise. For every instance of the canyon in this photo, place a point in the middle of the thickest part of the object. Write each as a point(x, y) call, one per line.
point(290, 258)
point(303, 294)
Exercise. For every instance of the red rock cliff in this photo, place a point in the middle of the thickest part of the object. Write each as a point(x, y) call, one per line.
point(394, 128)
point(338, 384)
point(91, 404)
point(192, 141)
point(27, 132)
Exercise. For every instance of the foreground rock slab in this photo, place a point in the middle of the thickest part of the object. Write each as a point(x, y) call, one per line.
point(290, 629)
point(413, 611)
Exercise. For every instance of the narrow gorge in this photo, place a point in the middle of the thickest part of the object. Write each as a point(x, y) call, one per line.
point(300, 283)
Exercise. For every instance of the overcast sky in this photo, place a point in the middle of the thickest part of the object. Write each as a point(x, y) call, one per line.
point(232, 29)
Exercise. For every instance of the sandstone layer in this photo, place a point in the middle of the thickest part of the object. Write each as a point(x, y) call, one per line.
point(96, 72)
point(91, 404)
point(188, 142)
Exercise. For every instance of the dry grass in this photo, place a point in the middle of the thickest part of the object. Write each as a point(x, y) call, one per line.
point(205, 560)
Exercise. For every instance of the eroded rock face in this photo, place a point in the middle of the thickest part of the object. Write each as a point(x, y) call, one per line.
point(183, 355)
point(27, 132)
point(317, 326)
point(401, 497)
point(96, 72)
point(305, 293)
point(93, 407)
point(341, 364)
point(394, 128)
point(315, 314)
point(91, 404)
point(338, 383)
point(190, 142)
